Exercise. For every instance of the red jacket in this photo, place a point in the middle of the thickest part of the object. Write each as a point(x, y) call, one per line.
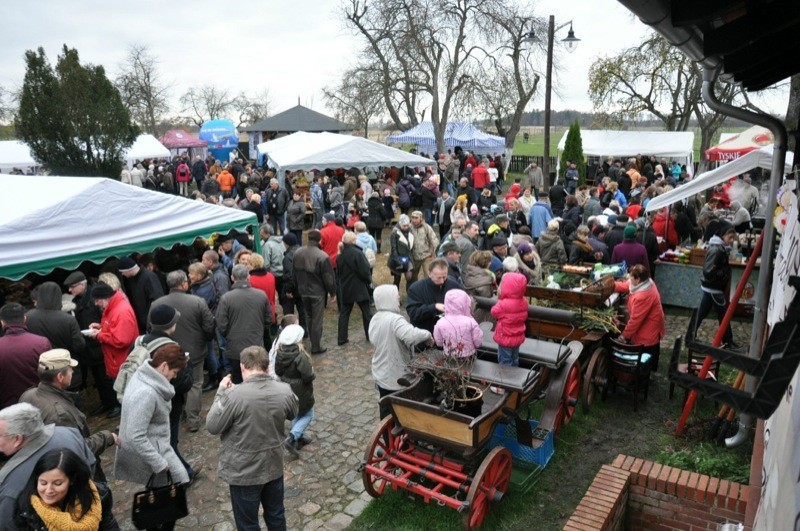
point(331, 236)
point(265, 281)
point(511, 311)
point(480, 177)
point(660, 226)
point(646, 324)
point(119, 331)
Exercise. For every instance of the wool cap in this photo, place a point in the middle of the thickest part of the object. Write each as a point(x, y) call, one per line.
point(101, 290)
point(629, 233)
point(126, 264)
point(162, 317)
point(74, 278)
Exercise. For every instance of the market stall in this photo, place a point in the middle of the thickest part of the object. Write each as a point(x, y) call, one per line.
point(60, 222)
point(738, 145)
point(145, 147)
point(461, 134)
point(179, 141)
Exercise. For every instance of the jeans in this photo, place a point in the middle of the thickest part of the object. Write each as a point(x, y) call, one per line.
point(223, 348)
point(299, 235)
point(194, 398)
point(318, 213)
point(428, 216)
point(277, 221)
point(344, 318)
point(246, 499)
point(377, 234)
point(718, 301)
point(508, 356)
point(299, 424)
point(212, 359)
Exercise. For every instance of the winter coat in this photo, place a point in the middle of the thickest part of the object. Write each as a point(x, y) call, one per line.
point(313, 272)
point(632, 252)
point(425, 242)
point(511, 311)
point(646, 323)
point(405, 191)
point(118, 332)
point(350, 187)
point(241, 317)
point(86, 313)
point(591, 208)
point(331, 237)
point(393, 338)
point(60, 328)
point(199, 170)
point(573, 215)
point(580, 251)
point(296, 215)
point(365, 241)
point(263, 280)
point(716, 268)
point(276, 201)
point(336, 197)
point(558, 198)
point(195, 328)
point(442, 211)
point(423, 295)
point(293, 366)
point(377, 215)
point(354, 274)
point(19, 359)
point(538, 218)
point(317, 197)
point(551, 248)
point(144, 429)
point(457, 332)
point(614, 237)
point(478, 283)
point(142, 290)
point(251, 418)
point(664, 226)
point(206, 290)
point(401, 244)
point(226, 181)
point(429, 197)
point(182, 173)
point(532, 272)
point(272, 250)
point(210, 187)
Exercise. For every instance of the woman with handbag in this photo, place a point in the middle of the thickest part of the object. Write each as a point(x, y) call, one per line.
point(59, 495)
point(144, 455)
point(402, 240)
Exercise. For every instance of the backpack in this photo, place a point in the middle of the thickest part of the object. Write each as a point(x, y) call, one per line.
point(140, 353)
point(183, 170)
point(371, 258)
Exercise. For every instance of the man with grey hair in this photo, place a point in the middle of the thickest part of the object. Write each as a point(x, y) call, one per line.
point(24, 438)
point(193, 331)
point(277, 200)
point(272, 250)
point(749, 195)
point(242, 316)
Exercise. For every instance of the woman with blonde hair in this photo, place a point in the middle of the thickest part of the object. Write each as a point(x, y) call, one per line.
point(460, 210)
point(263, 280)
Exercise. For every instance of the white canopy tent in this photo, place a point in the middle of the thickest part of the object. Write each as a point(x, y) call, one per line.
point(761, 158)
point(670, 145)
point(319, 151)
point(16, 154)
point(146, 147)
point(59, 222)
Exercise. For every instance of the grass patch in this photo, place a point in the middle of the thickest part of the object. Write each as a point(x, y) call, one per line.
point(707, 458)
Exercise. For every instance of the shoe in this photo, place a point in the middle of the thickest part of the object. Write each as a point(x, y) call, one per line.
point(291, 445)
point(197, 466)
point(194, 428)
point(213, 383)
point(114, 413)
point(340, 343)
point(303, 441)
point(320, 351)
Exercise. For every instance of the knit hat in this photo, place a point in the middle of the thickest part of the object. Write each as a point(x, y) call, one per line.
point(404, 220)
point(450, 247)
point(162, 317)
point(313, 235)
point(629, 233)
point(74, 278)
point(291, 335)
point(473, 209)
point(524, 248)
point(498, 242)
point(290, 239)
point(101, 290)
point(622, 220)
point(126, 264)
point(416, 214)
point(56, 359)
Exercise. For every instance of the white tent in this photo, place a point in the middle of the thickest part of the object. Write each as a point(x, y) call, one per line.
point(145, 147)
point(760, 158)
point(319, 151)
point(16, 154)
point(59, 222)
point(670, 145)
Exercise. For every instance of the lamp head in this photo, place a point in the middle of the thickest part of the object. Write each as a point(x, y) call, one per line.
point(571, 40)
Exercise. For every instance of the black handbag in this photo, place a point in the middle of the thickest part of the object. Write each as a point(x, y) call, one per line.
point(155, 506)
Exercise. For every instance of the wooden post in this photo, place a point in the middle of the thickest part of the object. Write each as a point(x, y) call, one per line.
point(547, 92)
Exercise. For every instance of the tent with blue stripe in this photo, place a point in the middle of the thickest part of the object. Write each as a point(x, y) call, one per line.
point(461, 134)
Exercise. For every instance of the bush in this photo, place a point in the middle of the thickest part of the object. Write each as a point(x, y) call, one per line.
point(573, 151)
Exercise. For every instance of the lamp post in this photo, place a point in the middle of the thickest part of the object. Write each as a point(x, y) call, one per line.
point(571, 42)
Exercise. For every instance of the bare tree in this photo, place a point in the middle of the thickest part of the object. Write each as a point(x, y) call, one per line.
point(8, 104)
point(142, 89)
point(793, 113)
point(207, 102)
point(355, 99)
point(252, 108)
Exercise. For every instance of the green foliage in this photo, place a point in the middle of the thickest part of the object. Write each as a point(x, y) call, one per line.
point(72, 117)
point(707, 458)
point(573, 151)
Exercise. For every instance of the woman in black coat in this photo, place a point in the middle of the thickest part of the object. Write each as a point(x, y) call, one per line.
point(355, 278)
point(376, 218)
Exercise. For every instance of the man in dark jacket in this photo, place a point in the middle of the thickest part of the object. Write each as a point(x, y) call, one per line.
point(194, 330)
point(558, 198)
point(87, 313)
point(313, 275)
point(715, 279)
point(355, 278)
point(142, 287)
point(254, 206)
point(426, 296)
point(291, 299)
point(615, 235)
point(276, 199)
point(242, 314)
point(199, 171)
point(19, 354)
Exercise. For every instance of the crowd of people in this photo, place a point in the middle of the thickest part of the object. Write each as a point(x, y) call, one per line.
point(158, 330)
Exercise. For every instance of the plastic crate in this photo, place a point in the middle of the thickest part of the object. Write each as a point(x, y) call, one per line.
point(506, 435)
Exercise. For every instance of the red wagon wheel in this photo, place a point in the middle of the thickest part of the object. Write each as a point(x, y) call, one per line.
point(488, 485)
point(595, 378)
point(569, 397)
point(381, 443)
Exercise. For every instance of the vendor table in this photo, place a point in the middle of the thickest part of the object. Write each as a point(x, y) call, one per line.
point(679, 285)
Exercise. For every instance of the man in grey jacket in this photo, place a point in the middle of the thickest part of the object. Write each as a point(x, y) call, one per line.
point(24, 438)
point(242, 314)
point(250, 420)
point(193, 331)
point(313, 275)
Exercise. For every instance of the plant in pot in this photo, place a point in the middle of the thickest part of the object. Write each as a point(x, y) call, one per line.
point(450, 369)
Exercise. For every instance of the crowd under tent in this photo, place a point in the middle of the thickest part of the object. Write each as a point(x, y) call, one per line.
point(16, 154)
point(145, 147)
point(669, 145)
point(461, 134)
point(60, 222)
point(320, 151)
point(734, 146)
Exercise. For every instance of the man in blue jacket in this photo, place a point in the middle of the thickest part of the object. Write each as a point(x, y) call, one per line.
point(540, 215)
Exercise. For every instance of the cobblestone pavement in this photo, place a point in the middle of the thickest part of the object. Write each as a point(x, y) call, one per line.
point(330, 489)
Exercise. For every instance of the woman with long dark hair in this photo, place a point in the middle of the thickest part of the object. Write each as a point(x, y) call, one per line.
point(59, 495)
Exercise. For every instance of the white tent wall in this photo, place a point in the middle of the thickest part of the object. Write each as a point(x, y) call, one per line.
point(670, 145)
point(145, 147)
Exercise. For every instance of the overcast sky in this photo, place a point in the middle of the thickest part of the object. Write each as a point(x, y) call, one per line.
point(292, 47)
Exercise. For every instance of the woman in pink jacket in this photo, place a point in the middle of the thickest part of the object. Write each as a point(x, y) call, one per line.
point(457, 332)
point(511, 313)
point(646, 323)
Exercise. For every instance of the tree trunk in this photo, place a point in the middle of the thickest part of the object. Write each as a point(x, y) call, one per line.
point(705, 143)
point(793, 113)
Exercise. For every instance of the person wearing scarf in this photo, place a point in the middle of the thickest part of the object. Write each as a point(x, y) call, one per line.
point(646, 322)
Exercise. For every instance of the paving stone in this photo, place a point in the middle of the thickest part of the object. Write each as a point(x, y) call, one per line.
point(339, 521)
point(355, 507)
point(309, 508)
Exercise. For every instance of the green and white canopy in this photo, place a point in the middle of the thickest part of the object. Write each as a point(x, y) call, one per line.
point(59, 222)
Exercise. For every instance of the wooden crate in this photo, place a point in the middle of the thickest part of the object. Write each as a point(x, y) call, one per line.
point(697, 256)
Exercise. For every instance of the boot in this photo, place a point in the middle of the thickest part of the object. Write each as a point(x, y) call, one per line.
point(292, 446)
point(213, 382)
point(303, 441)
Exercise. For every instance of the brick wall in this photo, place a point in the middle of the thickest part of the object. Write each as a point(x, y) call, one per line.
point(637, 494)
